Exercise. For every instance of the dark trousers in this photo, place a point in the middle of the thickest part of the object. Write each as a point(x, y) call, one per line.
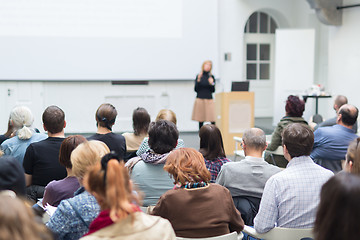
point(34, 192)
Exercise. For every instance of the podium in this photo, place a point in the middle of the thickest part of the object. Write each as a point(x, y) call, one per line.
point(234, 114)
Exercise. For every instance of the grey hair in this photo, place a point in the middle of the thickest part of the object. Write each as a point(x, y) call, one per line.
point(22, 119)
point(255, 138)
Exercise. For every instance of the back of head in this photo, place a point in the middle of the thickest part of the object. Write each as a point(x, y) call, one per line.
point(53, 119)
point(339, 101)
point(106, 115)
point(294, 106)
point(186, 165)
point(66, 148)
point(17, 221)
point(12, 175)
point(141, 121)
point(110, 181)
point(255, 138)
point(353, 156)
point(211, 143)
point(22, 119)
point(87, 154)
point(166, 114)
point(349, 114)
point(298, 139)
point(338, 212)
point(163, 136)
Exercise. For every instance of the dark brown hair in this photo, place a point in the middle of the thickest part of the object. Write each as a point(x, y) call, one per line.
point(338, 213)
point(294, 106)
point(115, 189)
point(53, 119)
point(349, 114)
point(141, 121)
point(163, 136)
point(67, 146)
point(211, 143)
point(353, 155)
point(298, 139)
point(186, 165)
point(106, 115)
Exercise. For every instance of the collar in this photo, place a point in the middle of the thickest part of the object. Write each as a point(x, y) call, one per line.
point(299, 160)
point(255, 159)
point(79, 191)
point(343, 128)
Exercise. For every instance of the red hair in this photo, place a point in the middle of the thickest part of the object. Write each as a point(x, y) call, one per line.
point(115, 192)
point(187, 165)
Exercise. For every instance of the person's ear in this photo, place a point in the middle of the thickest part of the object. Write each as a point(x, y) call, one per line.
point(266, 145)
point(64, 124)
point(338, 119)
point(45, 129)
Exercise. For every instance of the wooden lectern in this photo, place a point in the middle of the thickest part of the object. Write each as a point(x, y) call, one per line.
point(234, 114)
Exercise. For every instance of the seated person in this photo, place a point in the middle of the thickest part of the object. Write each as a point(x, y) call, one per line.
point(164, 114)
point(196, 208)
point(120, 218)
point(21, 120)
point(12, 176)
point(339, 212)
point(294, 109)
point(62, 189)
point(41, 160)
point(247, 178)
point(331, 143)
point(73, 216)
point(147, 170)
point(105, 119)
point(291, 197)
point(352, 162)
point(212, 148)
point(141, 121)
point(8, 134)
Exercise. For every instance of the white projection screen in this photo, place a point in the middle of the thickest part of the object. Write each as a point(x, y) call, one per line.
point(106, 39)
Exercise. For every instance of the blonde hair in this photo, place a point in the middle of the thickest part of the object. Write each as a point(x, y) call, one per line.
point(202, 68)
point(114, 189)
point(17, 221)
point(166, 114)
point(22, 119)
point(85, 155)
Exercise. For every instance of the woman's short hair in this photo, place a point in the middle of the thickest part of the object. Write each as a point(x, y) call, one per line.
point(106, 115)
point(298, 139)
point(22, 119)
point(353, 155)
point(166, 114)
point(294, 106)
point(85, 155)
point(67, 146)
point(163, 136)
point(186, 165)
point(110, 181)
point(338, 213)
point(17, 221)
point(141, 121)
point(211, 143)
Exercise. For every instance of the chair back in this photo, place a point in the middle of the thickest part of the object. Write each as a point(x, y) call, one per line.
point(229, 236)
point(279, 233)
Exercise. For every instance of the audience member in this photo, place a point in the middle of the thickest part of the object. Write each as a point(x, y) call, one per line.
point(338, 215)
point(120, 218)
point(147, 170)
point(212, 148)
point(338, 102)
point(294, 109)
point(8, 134)
point(21, 120)
point(331, 143)
point(141, 121)
point(164, 114)
point(352, 159)
point(12, 176)
point(291, 197)
point(195, 207)
point(41, 160)
point(246, 179)
point(105, 119)
point(73, 216)
point(18, 220)
point(56, 191)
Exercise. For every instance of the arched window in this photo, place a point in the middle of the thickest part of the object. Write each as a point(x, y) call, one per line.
point(259, 43)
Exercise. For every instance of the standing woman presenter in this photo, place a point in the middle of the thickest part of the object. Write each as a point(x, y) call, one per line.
point(204, 107)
